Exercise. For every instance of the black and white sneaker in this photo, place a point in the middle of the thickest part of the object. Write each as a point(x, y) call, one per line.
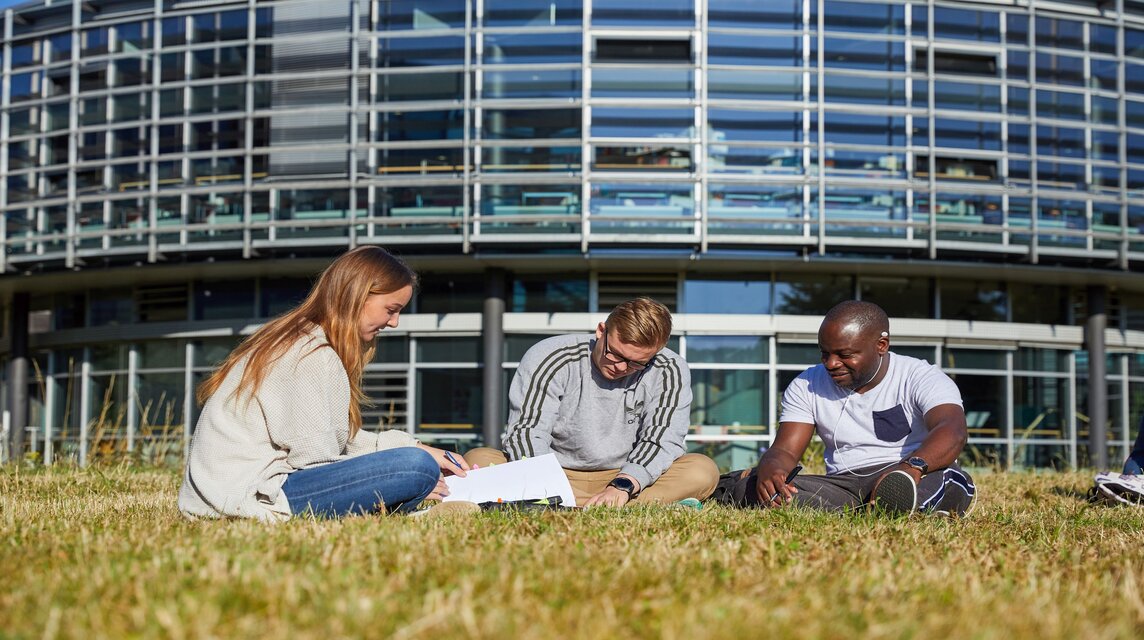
point(896, 494)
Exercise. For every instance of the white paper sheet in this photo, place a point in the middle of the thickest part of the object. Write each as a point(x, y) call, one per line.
point(528, 479)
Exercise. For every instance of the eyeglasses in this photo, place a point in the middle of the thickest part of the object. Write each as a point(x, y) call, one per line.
point(617, 358)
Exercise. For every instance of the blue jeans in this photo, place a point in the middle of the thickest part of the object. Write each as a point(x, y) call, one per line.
point(399, 479)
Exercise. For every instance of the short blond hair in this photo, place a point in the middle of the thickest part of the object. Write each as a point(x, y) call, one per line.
point(642, 322)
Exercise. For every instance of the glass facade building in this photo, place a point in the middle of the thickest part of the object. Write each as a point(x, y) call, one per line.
point(175, 173)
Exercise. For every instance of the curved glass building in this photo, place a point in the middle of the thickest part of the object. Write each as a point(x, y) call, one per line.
point(174, 173)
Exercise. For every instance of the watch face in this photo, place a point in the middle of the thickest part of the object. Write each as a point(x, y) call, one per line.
point(623, 484)
point(918, 463)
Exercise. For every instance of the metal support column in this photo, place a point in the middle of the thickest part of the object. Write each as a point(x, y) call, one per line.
point(18, 375)
point(492, 337)
point(1097, 378)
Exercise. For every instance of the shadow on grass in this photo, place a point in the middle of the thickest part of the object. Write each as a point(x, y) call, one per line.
point(1072, 493)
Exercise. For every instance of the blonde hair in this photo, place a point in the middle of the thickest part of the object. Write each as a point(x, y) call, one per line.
point(335, 304)
point(642, 322)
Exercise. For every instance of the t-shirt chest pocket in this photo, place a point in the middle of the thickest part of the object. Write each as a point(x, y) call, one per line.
point(891, 425)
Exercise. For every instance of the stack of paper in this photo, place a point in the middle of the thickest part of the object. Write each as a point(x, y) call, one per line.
point(528, 479)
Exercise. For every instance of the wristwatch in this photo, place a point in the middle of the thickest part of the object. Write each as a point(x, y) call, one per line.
point(625, 485)
point(918, 463)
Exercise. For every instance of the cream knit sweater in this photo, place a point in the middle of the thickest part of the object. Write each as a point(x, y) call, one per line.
point(243, 449)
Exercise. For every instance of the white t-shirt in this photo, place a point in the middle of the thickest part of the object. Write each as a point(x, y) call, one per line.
point(883, 425)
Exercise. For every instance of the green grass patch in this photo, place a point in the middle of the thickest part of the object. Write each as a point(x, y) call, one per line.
point(103, 553)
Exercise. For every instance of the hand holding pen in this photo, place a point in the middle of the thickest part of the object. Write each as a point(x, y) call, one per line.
point(449, 462)
point(461, 467)
point(789, 479)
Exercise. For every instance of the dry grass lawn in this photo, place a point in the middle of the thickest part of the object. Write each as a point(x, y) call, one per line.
point(103, 553)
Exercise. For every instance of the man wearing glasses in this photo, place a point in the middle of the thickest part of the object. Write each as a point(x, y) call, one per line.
point(614, 408)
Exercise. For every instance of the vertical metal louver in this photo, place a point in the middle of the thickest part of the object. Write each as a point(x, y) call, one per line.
point(323, 125)
point(616, 288)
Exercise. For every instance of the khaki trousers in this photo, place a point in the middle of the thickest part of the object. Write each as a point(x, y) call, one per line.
point(693, 475)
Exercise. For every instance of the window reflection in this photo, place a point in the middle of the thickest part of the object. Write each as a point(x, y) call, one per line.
point(534, 13)
point(1040, 408)
point(775, 14)
point(726, 295)
point(962, 24)
point(448, 400)
point(628, 122)
point(985, 400)
point(810, 295)
point(734, 400)
point(746, 85)
point(533, 48)
point(861, 17)
point(635, 12)
point(874, 55)
point(736, 49)
point(400, 15)
point(656, 83)
point(538, 83)
point(900, 297)
point(394, 126)
point(421, 52)
point(526, 124)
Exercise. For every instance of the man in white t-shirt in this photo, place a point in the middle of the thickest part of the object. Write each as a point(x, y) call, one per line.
point(893, 427)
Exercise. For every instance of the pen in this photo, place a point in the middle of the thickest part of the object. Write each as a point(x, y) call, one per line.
point(789, 479)
point(449, 455)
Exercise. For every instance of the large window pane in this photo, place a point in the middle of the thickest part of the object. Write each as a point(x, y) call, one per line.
point(971, 300)
point(754, 85)
point(448, 400)
point(529, 124)
point(420, 52)
point(533, 48)
point(534, 13)
point(550, 294)
point(398, 126)
point(875, 55)
point(538, 83)
point(639, 13)
point(643, 82)
point(864, 90)
point(224, 300)
point(736, 49)
point(984, 399)
point(420, 14)
point(1040, 304)
point(959, 24)
point(727, 349)
point(810, 295)
point(900, 297)
point(735, 400)
point(860, 17)
point(730, 295)
point(1040, 408)
point(629, 122)
point(448, 349)
point(850, 128)
point(451, 293)
point(774, 14)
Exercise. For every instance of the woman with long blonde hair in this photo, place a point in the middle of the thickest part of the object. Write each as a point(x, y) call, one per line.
point(280, 432)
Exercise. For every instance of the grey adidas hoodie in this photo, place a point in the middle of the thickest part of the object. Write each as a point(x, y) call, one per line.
point(559, 403)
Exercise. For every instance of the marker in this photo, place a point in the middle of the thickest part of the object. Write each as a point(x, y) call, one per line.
point(789, 479)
